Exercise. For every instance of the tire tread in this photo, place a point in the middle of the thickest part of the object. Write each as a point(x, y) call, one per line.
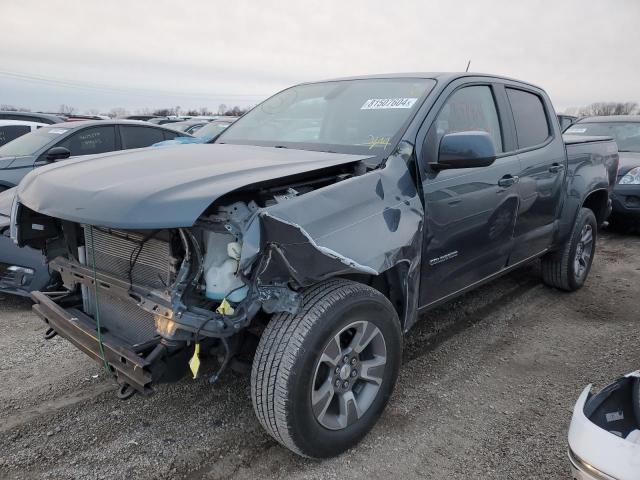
point(277, 351)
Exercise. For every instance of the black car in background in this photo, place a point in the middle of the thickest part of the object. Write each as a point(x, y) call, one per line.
point(48, 118)
point(625, 129)
point(72, 139)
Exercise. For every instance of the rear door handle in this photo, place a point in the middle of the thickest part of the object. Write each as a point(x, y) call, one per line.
point(555, 167)
point(508, 180)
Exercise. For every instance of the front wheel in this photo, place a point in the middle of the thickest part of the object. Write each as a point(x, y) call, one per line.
point(568, 268)
point(321, 378)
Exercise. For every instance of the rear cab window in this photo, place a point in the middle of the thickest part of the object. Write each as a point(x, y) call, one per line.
point(529, 115)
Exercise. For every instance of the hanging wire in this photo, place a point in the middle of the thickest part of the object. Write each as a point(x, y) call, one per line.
point(97, 315)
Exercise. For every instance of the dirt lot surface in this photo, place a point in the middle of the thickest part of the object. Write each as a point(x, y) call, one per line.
point(486, 391)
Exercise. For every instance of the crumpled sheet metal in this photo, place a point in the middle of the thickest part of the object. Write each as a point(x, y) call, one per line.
point(365, 224)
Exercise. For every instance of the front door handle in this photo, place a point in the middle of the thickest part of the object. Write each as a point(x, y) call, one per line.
point(508, 180)
point(555, 167)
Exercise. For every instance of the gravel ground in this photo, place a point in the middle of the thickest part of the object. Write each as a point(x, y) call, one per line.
point(486, 391)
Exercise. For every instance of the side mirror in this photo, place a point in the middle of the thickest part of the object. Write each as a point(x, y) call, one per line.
point(465, 150)
point(57, 153)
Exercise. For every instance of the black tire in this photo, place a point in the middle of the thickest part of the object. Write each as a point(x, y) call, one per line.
point(558, 268)
point(287, 362)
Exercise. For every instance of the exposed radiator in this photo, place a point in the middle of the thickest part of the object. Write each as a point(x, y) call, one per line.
point(116, 253)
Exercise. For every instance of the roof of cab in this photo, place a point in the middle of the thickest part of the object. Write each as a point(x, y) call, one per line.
point(446, 77)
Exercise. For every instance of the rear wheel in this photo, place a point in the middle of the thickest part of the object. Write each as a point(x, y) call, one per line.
point(321, 378)
point(568, 268)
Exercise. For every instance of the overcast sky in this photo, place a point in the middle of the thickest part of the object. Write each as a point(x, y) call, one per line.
point(157, 53)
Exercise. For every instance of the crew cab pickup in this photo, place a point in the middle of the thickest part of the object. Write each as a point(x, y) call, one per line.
point(319, 226)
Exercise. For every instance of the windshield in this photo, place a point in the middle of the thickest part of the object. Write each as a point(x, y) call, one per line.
point(626, 134)
point(211, 130)
point(31, 143)
point(347, 116)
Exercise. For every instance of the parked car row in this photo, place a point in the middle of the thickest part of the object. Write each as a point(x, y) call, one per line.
point(13, 124)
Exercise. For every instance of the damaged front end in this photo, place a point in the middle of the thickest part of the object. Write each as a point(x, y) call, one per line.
point(140, 300)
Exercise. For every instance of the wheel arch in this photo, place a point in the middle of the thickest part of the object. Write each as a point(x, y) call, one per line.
point(598, 202)
point(392, 283)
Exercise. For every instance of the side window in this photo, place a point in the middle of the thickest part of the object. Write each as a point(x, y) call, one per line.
point(467, 109)
point(11, 132)
point(90, 141)
point(170, 135)
point(140, 137)
point(532, 127)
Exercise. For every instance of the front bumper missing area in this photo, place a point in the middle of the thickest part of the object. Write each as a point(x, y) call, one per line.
point(129, 367)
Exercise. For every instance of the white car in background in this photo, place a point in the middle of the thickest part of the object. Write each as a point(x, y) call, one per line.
point(604, 435)
point(12, 129)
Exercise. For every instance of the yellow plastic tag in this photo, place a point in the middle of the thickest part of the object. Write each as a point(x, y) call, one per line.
point(225, 308)
point(194, 363)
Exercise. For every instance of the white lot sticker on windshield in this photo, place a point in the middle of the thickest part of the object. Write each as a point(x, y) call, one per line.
point(57, 130)
point(384, 103)
point(576, 130)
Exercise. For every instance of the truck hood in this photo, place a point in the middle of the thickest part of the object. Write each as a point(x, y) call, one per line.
point(160, 187)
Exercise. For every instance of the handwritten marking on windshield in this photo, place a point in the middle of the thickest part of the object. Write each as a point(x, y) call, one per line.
point(378, 142)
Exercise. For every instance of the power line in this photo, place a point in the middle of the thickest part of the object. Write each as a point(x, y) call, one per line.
point(74, 84)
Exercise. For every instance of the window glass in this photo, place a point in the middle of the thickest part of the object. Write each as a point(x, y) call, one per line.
point(91, 141)
point(212, 130)
point(346, 116)
point(140, 137)
point(467, 109)
point(531, 121)
point(11, 132)
point(170, 135)
point(31, 143)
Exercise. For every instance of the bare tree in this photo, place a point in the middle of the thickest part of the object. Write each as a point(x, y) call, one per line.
point(608, 108)
point(92, 111)
point(118, 112)
point(144, 111)
point(222, 109)
point(67, 109)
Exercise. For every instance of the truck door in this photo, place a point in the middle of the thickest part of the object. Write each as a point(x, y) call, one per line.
point(542, 156)
point(469, 213)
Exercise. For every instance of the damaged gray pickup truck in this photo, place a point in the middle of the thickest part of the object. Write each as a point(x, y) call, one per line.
point(310, 236)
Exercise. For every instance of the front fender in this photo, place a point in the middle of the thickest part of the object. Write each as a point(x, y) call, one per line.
point(366, 224)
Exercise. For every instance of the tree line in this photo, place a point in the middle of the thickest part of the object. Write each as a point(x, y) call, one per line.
point(118, 112)
point(605, 109)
